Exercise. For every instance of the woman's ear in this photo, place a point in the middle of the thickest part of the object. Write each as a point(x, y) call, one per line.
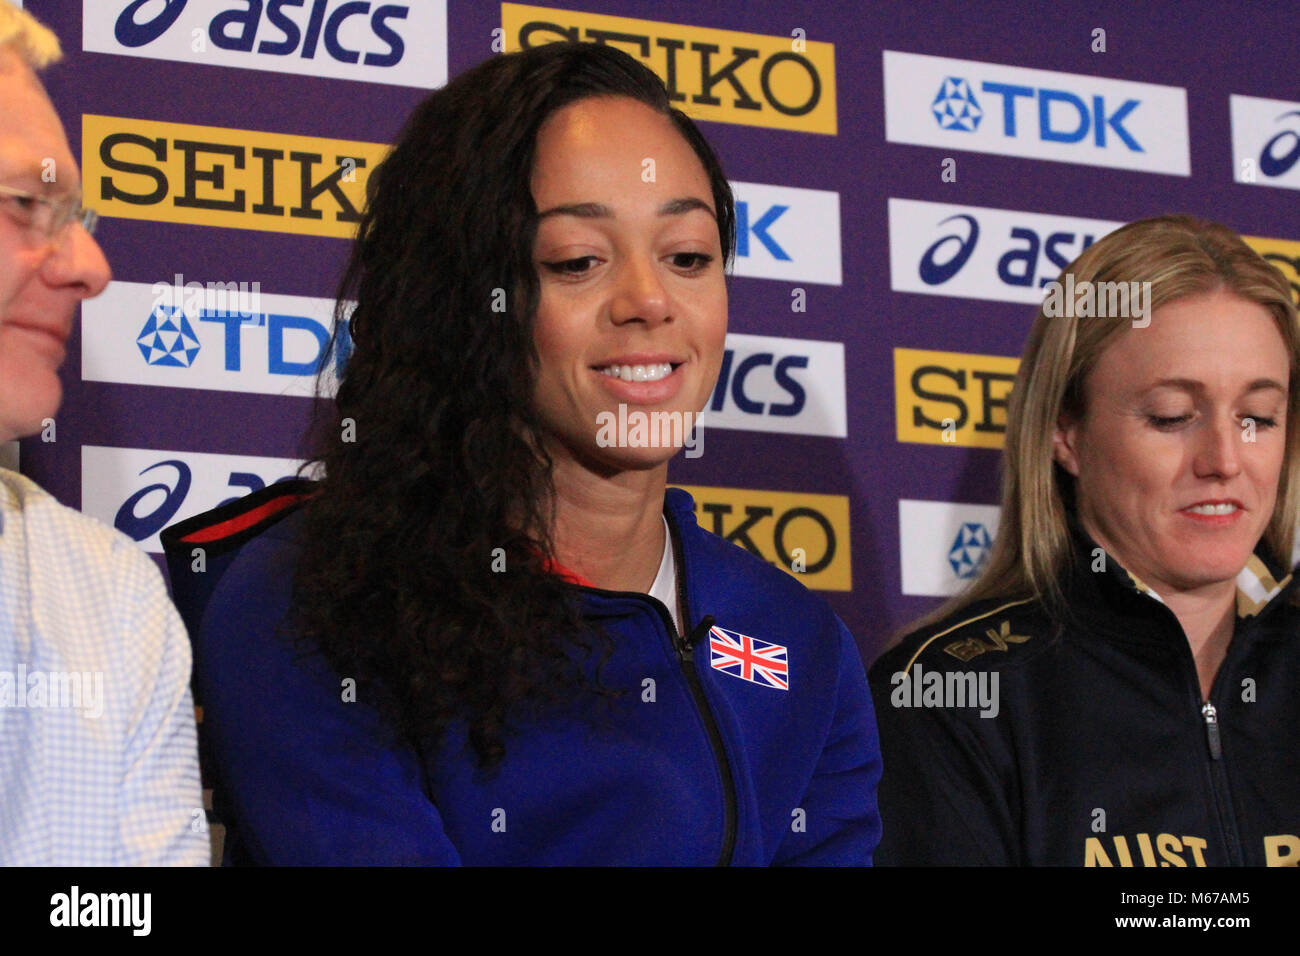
point(1065, 444)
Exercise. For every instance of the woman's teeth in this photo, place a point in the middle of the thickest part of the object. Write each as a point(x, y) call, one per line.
point(1224, 509)
point(639, 373)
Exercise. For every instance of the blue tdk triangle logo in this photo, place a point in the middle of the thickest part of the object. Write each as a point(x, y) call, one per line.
point(168, 338)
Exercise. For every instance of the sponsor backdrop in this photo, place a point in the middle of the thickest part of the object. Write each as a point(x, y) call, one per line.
point(908, 178)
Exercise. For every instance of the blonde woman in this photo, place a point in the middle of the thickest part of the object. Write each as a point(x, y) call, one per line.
point(1119, 687)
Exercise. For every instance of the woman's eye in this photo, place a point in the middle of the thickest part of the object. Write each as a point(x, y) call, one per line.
point(1168, 421)
point(692, 261)
point(572, 267)
point(1261, 421)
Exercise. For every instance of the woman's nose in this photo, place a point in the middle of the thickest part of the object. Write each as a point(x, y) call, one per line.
point(1221, 445)
point(639, 292)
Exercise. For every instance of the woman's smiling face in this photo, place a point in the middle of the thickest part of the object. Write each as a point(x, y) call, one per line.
point(633, 299)
point(1181, 445)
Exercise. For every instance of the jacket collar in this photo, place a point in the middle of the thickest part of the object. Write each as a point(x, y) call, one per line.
point(680, 506)
point(1261, 584)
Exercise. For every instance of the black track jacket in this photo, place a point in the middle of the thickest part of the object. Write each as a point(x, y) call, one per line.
point(1102, 752)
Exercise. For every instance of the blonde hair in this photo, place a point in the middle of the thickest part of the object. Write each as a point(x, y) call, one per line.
point(1180, 256)
point(33, 42)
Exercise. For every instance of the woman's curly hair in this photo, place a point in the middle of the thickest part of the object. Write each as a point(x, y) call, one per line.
point(432, 451)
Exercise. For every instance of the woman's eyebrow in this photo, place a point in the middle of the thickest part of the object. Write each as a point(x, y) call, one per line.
point(1260, 384)
point(596, 210)
point(1192, 385)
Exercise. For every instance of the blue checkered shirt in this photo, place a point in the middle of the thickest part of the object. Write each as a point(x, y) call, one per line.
point(98, 756)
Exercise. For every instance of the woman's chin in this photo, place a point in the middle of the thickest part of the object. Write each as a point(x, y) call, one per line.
point(637, 459)
point(1211, 567)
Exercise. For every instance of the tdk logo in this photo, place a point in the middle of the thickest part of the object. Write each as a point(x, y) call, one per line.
point(1038, 114)
point(1062, 106)
point(772, 384)
point(351, 39)
point(1265, 141)
point(978, 253)
point(970, 550)
point(942, 545)
point(787, 233)
point(168, 338)
point(759, 228)
point(278, 328)
point(214, 337)
point(956, 107)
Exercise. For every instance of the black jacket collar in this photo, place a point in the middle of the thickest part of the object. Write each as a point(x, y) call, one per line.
point(1101, 591)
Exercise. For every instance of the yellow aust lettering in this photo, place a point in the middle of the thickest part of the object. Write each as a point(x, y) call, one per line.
point(1282, 850)
point(1172, 850)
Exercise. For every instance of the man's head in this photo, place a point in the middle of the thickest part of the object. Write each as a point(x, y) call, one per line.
point(47, 265)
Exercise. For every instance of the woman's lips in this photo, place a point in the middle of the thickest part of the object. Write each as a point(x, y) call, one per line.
point(1215, 513)
point(643, 393)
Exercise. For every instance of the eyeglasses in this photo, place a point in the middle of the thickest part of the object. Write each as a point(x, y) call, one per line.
point(46, 217)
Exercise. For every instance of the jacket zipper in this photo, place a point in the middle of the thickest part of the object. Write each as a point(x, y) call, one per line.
point(1212, 730)
point(1214, 746)
point(1209, 714)
point(686, 656)
point(685, 648)
point(1209, 717)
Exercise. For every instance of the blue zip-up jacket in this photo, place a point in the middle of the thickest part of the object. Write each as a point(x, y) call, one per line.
point(692, 765)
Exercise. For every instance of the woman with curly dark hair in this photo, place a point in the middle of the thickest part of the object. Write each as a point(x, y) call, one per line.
point(490, 634)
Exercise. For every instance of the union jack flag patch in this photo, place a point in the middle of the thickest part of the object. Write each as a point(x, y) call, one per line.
point(755, 661)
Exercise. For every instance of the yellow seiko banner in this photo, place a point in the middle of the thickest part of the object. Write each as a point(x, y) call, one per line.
point(806, 535)
point(782, 82)
point(235, 178)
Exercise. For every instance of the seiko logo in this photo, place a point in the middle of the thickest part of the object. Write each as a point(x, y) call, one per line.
point(722, 75)
point(804, 534)
point(207, 175)
point(952, 398)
